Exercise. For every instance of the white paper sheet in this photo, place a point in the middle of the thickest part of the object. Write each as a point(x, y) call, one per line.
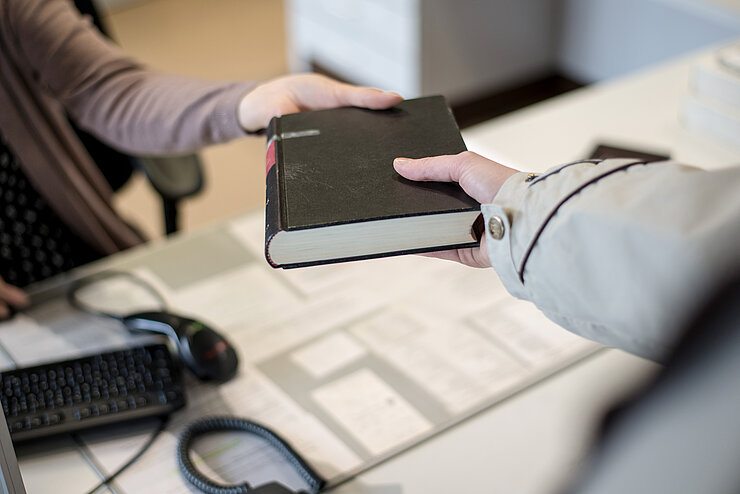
point(328, 354)
point(27, 342)
point(451, 291)
point(6, 363)
point(246, 296)
point(263, 316)
point(526, 332)
point(250, 231)
point(371, 411)
point(455, 365)
point(258, 398)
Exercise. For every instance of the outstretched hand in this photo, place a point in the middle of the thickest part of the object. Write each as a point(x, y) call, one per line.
point(11, 296)
point(479, 177)
point(296, 93)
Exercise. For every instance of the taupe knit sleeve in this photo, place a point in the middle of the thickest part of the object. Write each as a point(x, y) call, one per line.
point(111, 95)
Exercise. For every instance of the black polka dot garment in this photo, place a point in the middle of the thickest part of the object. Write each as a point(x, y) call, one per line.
point(34, 242)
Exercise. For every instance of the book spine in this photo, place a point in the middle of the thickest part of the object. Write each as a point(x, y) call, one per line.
point(272, 203)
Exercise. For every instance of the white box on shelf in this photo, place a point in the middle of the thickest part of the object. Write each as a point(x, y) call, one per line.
point(712, 106)
point(461, 49)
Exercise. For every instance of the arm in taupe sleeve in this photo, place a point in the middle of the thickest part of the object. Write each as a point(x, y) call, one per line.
point(619, 252)
point(111, 95)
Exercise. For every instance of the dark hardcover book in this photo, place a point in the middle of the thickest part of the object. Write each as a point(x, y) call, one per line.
point(333, 195)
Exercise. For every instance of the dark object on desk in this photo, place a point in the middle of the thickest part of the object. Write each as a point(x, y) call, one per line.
point(220, 424)
point(333, 195)
point(91, 391)
point(205, 352)
point(272, 488)
point(604, 151)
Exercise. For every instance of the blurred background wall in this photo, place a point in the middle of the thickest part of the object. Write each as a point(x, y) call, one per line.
point(464, 48)
point(600, 39)
point(486, 56)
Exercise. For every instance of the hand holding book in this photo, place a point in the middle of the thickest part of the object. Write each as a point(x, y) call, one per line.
point(479, 177)
point(304, 92)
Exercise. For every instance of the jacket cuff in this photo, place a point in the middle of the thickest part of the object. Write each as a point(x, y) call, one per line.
point(506, 208)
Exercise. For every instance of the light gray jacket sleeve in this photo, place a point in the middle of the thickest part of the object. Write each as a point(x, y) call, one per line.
point(619, 251)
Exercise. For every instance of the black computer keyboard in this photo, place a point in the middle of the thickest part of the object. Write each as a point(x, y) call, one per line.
point(91, 391)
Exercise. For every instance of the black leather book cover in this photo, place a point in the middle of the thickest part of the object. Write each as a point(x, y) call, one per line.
point(335, 166)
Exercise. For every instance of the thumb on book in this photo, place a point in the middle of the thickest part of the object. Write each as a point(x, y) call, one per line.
point(479, 177)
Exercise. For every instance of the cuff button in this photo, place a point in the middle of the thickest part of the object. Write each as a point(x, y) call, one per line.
point(496, 227)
